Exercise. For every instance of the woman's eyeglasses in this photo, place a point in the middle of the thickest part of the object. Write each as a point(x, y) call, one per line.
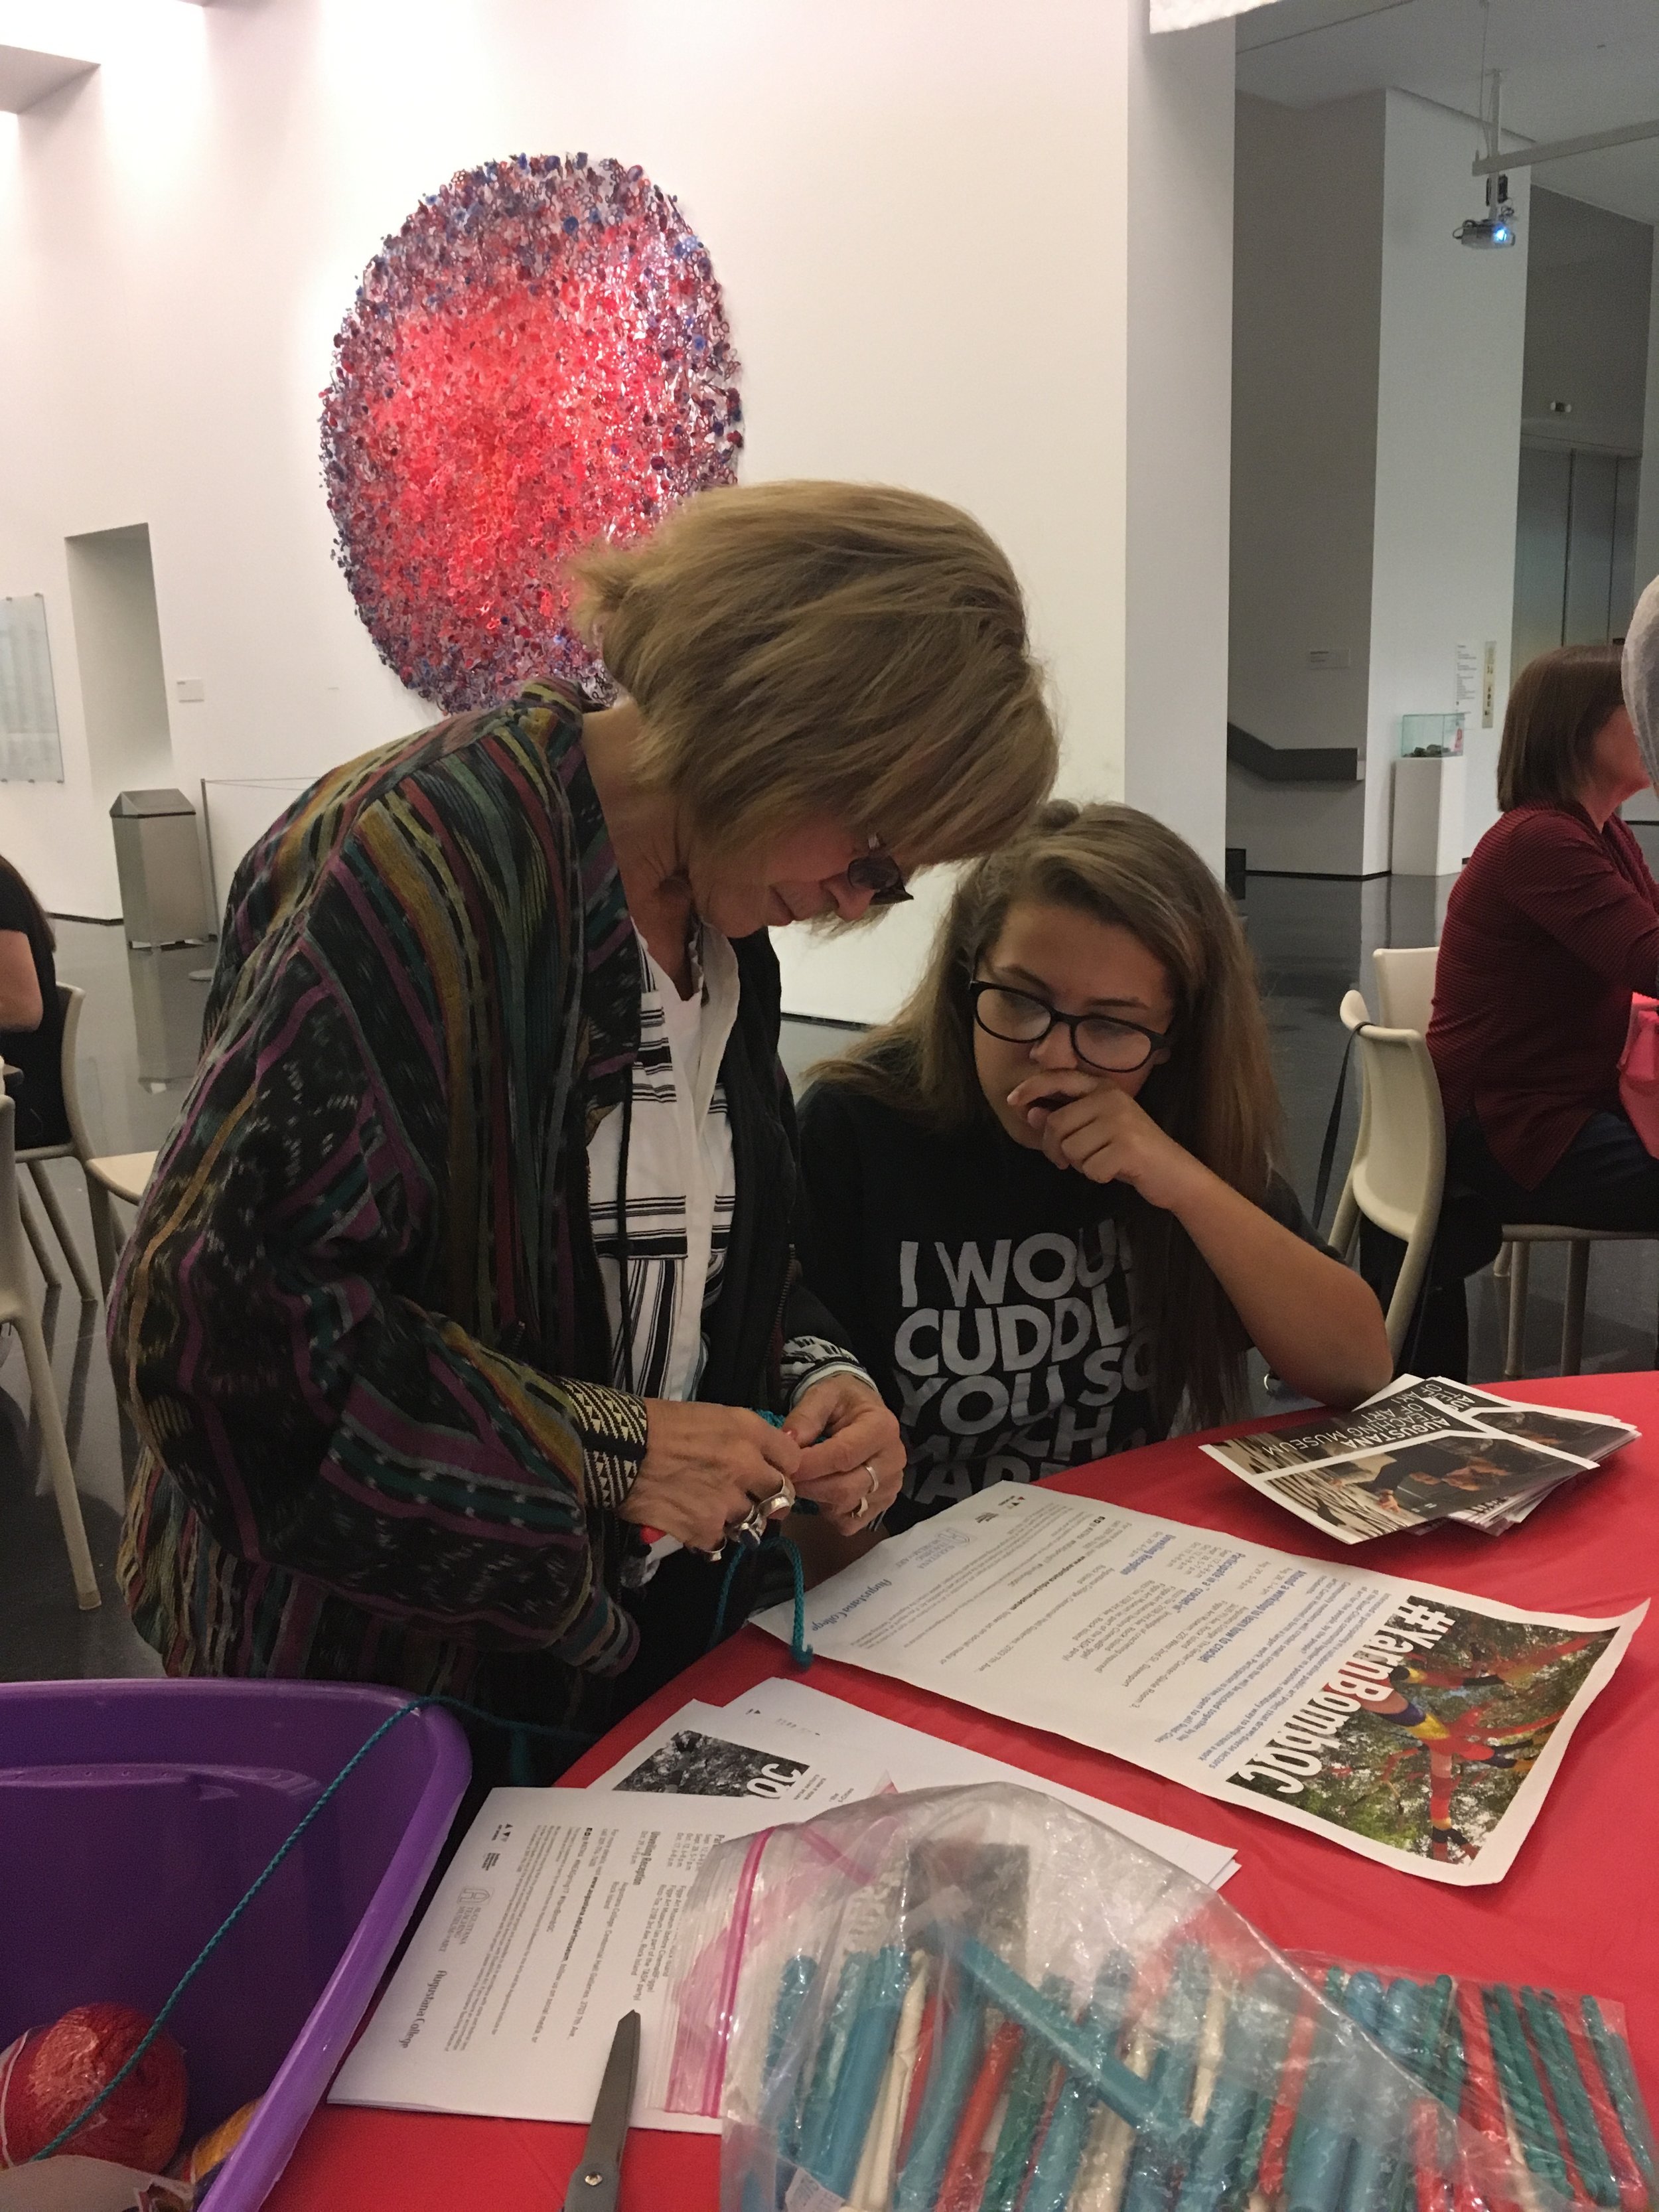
point(878, 874)
point(1100, 1041)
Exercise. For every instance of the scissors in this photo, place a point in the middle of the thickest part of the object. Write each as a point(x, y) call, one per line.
point(597, 2177)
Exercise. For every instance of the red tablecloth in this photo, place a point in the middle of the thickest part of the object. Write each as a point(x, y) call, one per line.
point(1576, 1913)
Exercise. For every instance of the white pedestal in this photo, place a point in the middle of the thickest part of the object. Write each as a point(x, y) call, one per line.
point(1428, 816)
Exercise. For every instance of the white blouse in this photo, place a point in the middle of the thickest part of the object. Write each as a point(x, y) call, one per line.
point(682, 1181)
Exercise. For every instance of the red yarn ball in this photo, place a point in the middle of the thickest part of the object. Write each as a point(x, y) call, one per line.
point(50, 2074)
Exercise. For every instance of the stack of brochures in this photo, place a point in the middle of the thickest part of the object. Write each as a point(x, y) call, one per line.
point(1421, 1452)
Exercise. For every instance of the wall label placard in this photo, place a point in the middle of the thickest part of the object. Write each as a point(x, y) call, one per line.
point(29, 749)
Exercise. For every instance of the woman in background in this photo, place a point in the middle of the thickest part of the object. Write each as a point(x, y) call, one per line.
point(1044, 1201)
point(31, 1016)
point(1551, 927)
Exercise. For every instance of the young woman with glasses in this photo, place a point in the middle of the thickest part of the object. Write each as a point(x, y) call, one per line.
point(1043, 1200)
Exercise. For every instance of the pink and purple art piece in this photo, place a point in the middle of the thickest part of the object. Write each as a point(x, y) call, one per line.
point(538, 359)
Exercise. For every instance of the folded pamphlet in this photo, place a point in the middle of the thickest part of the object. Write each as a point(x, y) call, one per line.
point(1422, 1451)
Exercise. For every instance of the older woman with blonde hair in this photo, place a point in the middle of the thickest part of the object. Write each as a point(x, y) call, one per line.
point(456, 1310)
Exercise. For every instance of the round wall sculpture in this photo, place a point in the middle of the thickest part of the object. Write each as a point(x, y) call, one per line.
point(538, 359)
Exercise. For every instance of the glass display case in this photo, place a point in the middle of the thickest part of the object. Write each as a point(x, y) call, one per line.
point(1430, 737)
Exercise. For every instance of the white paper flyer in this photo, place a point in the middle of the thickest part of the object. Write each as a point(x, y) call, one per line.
point(1416, 1725)
point(557, 1915)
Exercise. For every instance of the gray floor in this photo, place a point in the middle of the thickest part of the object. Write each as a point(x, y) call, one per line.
point(1312, 939)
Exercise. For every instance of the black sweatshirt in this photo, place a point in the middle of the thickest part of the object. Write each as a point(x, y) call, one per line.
point(989, 1293)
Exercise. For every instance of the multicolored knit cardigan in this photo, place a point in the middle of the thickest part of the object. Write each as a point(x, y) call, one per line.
point(364, 1256)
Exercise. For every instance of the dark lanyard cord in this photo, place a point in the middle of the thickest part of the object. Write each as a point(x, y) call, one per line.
point(1333, 1130)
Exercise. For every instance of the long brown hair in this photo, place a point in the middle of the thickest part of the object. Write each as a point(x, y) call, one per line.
point(1215, 1095)
point(1559, 702)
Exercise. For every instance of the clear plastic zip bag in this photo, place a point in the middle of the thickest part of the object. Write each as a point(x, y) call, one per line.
point(1549, 2074)
point(979, 2000)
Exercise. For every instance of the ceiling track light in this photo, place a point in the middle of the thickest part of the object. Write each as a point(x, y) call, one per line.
point(1496, 227)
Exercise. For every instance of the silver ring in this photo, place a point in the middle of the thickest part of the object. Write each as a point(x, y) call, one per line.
point(875, 1479)
point(782, 1501)
point(861, 1509)
point(750, 1530)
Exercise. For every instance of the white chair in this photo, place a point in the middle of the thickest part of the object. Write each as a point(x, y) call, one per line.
point(120, 1175)
point(16, 1306)
point(1399, 1167)
point(114, 1175)
point(34, 1157)
point(1405, 984)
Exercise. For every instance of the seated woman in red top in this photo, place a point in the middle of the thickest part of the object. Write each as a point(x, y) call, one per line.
point(1552, 926)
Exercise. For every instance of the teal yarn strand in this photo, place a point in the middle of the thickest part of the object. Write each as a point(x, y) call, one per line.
point(799, 1649)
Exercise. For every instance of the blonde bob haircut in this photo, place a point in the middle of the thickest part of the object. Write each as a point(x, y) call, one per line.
point(833, 649)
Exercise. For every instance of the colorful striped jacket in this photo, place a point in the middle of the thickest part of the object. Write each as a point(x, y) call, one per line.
point(359, 1324)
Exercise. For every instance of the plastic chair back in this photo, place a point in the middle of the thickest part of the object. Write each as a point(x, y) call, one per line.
point(1405, 984)
point(15, 1283)
point(69, 998)
point(74, 1000)
point(1399, 1168)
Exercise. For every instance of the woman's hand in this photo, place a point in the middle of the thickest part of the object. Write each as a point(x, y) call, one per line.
point(706, 1468)
point(852, 1459)
point(1312, 1319)
point(1103, 1133)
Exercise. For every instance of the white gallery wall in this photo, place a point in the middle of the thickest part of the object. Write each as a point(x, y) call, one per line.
point(1376, 432)
point(1176, 428)
point(1453, 343)
point(1307, 307)
point(920, 211)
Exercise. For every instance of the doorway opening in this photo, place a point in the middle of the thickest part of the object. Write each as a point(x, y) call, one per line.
point(117, 645)
point(1575, 548)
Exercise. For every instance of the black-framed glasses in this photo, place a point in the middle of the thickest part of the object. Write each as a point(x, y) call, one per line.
point(1100, 1041)
point(878, 874)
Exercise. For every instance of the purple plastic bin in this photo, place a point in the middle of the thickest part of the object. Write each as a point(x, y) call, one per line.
point(132, 1817)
